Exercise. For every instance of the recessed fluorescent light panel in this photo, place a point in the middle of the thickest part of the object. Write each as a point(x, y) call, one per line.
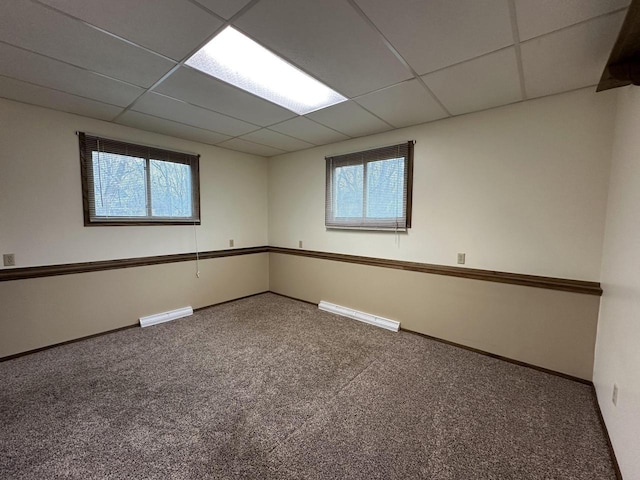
point(236, 59)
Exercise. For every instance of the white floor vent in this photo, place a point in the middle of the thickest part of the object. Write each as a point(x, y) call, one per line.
point(392, 325)
point(165, 316)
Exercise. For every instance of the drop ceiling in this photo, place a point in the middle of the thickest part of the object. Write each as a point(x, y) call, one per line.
point(399, 62)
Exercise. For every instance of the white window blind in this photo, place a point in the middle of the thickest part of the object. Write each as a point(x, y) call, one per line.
point(371, 189)
point(125, 183)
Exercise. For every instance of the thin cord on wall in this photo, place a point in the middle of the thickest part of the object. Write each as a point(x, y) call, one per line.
point(397, 235)
point(195, 236)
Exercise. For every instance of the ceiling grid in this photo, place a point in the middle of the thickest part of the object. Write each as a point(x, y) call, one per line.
point(398, 62)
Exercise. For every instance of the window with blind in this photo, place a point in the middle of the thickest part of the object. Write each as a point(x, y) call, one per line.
point(125, 184)
point(370, 190)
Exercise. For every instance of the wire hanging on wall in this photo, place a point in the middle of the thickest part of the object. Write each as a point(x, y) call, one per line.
point(195, 236)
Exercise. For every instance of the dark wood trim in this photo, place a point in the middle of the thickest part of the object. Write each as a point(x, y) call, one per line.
point(551, 283)
point(140, 223)
point(575, 286)
point(612, 453)
point(363, 158)
point(293, 298)
point(72, 268)
point(107, 332)
point(436, 339)
point(229, 301)
point(409, 185)
point(623, 65)
point(500, 357)
point(84, 174)
point(67, 342)
point(87, 144)
point(475, 350)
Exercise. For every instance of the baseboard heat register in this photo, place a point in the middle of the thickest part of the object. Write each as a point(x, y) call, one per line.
point(165, 316)
point(382, 322)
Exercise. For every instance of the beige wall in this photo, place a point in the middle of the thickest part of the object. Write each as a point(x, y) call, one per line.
point(547, 328)
point(41, 218)
point(44, 311)
point(41, 222)
point(520, 188)
point(618, 342)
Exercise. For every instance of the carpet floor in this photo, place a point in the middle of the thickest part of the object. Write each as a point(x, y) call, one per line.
point(272, 388)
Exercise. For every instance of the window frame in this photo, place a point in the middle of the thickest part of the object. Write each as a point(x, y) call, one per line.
point(87, 142)
point(363, 158)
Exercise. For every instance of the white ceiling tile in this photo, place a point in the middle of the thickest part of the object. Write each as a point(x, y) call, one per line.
point(435, 34)
point(276, 140)
point(170, 27)
point(485, 82)
point(404, 104)
point(250, 147)
point(200, 89)
point(329, 40)
point(40, 29)
point(309, 131)
point(224, 8)
point(167, 127)
point(49, 58)
point(537, 17)
point(44, 71)
point(181, 112)
point(570, 58)
point(349, 118)
point(45, 97)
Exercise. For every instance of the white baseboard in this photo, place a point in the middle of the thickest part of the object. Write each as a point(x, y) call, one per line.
point(165, 316)
point(369, 318)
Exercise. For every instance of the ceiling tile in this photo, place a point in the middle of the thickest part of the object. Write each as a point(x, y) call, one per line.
point(167, 127)
point(537, 17)
point(200, 89)
point(489, 81)
point(45, 97)
point(309, 131)
point(250, 147)
point(224, 8)
point(404, 104)
point(147, 22)
point(44, 71)
point(435, 34)
point(40, 29)
point(329, 40)
point(349, 118)
point(570, 58)
point(181, 112)
point(276, 140)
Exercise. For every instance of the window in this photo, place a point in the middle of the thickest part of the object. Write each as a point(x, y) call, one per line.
point(125, 184)
point(370, 190)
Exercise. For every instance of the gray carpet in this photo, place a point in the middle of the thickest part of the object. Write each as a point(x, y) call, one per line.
point(271, 388)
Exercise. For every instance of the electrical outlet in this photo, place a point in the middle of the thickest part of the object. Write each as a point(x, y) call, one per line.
point(299, 243)
point(231, 242)
point(9, 259)
point(461, 258)
point(614, 397)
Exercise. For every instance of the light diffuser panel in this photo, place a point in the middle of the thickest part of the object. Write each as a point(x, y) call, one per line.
point(236, 59)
